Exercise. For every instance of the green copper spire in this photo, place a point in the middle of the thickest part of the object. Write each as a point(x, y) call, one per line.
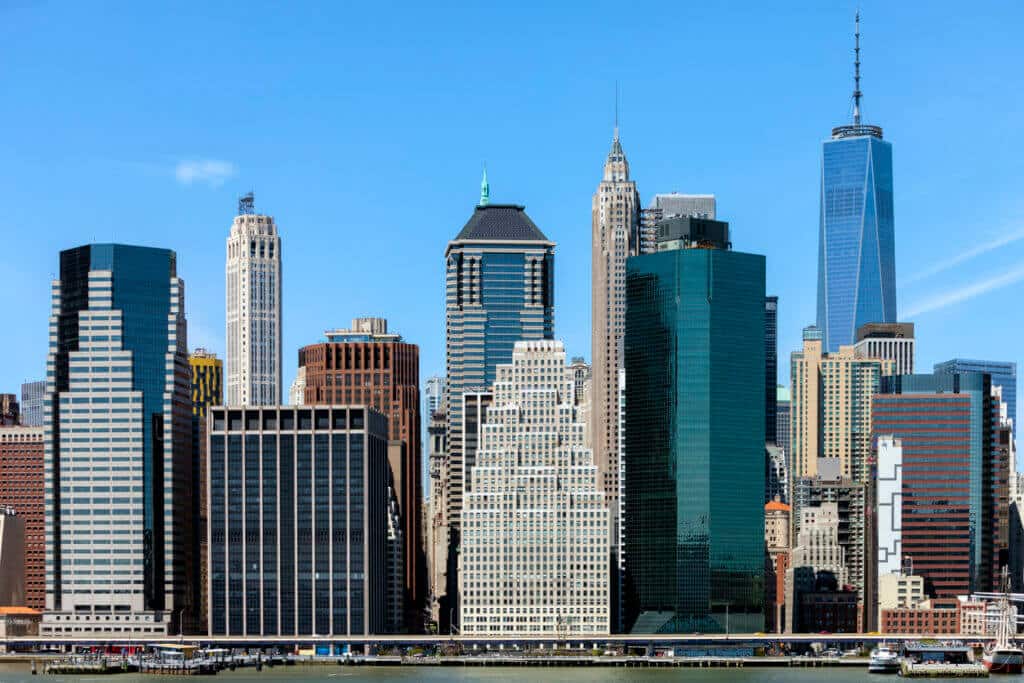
point(485, 189)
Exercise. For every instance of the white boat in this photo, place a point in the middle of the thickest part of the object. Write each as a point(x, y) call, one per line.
point(884, 660)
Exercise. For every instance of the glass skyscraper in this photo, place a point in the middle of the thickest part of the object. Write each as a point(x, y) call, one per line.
point(856, 240)
point(33, 396)
point(118, 444)
point(1004, 374)
point(695, 440)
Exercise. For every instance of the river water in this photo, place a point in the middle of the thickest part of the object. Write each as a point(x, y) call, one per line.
point(20, 673)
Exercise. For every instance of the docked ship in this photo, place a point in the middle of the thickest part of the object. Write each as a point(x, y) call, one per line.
point(1003, 656)
point(884, 660)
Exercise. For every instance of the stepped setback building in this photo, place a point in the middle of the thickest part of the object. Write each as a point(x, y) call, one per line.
point(615, 236)
point(534, 557)
point(118, 474)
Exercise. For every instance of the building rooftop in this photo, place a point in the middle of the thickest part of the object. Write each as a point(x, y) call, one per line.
point(776, 506)
point(27, 611)
point(501, 222)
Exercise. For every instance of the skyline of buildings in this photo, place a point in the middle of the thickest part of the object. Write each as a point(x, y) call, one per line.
point(694, 466)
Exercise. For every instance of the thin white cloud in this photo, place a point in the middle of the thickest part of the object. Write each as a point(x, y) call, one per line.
point(212, 172)
point(961, 294)
point(967, 255)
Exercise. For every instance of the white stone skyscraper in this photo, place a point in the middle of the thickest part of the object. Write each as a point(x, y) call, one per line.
point(534, 557)
point(615, 236)
point(253, 309)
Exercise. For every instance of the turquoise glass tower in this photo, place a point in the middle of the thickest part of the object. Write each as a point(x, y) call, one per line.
point(856, 237)
point(694, 439)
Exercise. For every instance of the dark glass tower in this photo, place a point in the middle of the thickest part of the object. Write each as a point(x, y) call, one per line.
point(695, 439)
point(771, 368)
point(856, 236)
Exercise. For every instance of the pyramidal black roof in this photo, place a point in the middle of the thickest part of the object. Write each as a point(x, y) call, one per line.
point(501, 222)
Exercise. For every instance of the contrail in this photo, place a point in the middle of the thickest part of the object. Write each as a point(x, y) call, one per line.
point(977, 250)
point(964, 293)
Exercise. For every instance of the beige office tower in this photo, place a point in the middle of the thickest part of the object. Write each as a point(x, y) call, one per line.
point(615, 237)
point(534, 556)
point(253, 309)
point(830, 409)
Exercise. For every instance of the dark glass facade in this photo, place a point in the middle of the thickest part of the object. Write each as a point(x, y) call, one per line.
point(694, 441)
point(297, 521)
point(771, 367)
point(946, 428)
point(856, 238)
point(1003, 373)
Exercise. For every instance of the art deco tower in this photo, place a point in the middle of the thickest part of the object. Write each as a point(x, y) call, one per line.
point(253, 293)
point(856, 240)
point(615, 236)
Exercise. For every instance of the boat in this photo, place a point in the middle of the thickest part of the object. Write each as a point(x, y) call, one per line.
point(884, 660)
point(1003, 656)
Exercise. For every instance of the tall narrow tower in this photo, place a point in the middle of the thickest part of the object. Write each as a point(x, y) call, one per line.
point(856, 239)
point(253, 293)
point(615, 236)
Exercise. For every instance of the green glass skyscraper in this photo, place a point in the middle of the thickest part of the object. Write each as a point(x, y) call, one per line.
point(694, 434)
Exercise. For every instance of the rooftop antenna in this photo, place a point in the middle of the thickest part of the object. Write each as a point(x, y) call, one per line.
point(856, 72)
point(616, 110)
point(247, 204)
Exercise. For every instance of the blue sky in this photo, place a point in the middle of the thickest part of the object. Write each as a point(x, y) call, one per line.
point(362, 127)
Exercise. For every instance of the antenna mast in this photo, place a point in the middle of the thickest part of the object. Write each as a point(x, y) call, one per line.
point(856, 72)
point(616, 110)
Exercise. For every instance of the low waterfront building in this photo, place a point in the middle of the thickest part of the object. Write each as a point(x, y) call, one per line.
point(931, 617)
point(298, 521)
point(534, 557)
point(18, 622)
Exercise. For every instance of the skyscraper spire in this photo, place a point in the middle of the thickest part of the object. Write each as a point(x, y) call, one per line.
point(856, 71)
point(616, 111)
point(485, 189)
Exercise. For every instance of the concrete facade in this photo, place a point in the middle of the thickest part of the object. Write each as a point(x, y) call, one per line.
point(535, 527)
point(830, 411)
point(253, 309)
